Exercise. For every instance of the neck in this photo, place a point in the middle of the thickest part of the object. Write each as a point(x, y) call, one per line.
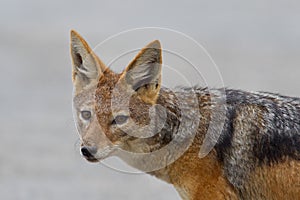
point(196, 178)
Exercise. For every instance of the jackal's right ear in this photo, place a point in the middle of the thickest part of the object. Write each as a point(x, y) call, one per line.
point(87, 67)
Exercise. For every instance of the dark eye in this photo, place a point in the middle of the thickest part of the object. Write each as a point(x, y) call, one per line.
point(120, 119)
point(85, 114)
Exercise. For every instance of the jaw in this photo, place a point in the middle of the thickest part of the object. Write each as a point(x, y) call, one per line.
point(92, 160)
point(142, 145)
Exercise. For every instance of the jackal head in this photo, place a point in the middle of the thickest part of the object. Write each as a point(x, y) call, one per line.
point(116, 111)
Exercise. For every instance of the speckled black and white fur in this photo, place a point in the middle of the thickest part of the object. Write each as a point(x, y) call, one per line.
point(261, 128)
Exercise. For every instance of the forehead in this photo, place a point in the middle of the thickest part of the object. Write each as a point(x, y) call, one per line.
point(104, 91)
point(106, 85)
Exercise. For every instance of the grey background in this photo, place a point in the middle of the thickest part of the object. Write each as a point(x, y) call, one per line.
point(254, 43)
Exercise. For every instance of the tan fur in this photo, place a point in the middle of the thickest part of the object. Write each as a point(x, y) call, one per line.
point(197, 179)
point(278, 181)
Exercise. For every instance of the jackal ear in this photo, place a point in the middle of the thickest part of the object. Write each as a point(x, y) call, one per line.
point(143, 74)
point(87, 67)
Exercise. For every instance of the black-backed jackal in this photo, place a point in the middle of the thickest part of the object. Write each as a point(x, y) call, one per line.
point(257, 155)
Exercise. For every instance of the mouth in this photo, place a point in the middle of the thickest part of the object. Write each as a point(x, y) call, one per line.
point(100, 155)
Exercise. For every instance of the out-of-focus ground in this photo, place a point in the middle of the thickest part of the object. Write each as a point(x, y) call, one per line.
point(256, 45)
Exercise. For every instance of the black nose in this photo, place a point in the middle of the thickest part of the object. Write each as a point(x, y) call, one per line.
point(88, 151)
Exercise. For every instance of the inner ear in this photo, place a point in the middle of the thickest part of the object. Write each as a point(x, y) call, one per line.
point(144, 75)
point(78, 59)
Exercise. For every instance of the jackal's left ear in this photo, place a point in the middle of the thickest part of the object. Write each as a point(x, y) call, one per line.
point(143, 74)
point(87, 67)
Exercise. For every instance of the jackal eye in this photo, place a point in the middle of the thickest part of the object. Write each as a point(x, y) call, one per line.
point(85, 114)
point(120, 119)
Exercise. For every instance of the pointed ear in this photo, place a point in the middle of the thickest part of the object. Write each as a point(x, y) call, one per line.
point(143, 74)
point(87, 67)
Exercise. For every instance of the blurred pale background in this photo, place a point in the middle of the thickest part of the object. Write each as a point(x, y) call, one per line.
point(256, 45)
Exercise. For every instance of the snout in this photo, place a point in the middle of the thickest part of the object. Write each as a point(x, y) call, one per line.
point(88, 152)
